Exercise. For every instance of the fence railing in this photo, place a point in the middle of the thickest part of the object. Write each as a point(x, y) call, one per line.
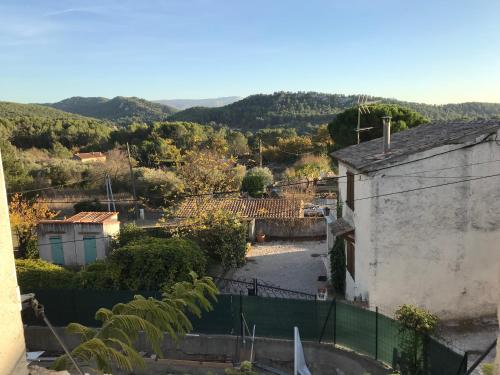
point(335, 322)
point(257, 287)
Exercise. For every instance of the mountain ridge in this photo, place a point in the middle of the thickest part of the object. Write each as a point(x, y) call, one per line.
point(182, 104)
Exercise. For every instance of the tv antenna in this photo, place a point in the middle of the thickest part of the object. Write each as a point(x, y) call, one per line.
point(363, 108)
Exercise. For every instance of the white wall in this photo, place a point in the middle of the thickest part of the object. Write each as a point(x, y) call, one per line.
point(72, 239)
point(436, 247)
point(12, 349)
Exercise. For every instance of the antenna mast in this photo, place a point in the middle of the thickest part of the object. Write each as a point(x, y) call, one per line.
point(363, 104)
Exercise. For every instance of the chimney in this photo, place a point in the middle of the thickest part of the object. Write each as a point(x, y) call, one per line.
point(386, 120)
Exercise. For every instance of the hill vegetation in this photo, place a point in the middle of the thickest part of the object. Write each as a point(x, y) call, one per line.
point(120, 109)
point(181, 104)
point(298, 110)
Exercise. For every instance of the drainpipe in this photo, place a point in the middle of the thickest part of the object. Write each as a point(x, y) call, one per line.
point(386, 120)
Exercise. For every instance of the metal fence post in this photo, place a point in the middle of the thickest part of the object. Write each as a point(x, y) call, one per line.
point(241, 313)
point(376, 333)
point(334, 321)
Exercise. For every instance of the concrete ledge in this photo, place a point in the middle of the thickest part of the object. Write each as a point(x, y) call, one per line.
point(216, 352)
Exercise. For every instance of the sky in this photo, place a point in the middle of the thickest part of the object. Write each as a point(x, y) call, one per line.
point(425, 51)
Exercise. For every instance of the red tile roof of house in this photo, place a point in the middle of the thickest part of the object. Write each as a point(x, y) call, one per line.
point(245, 207)
point(90, 155)
point(84, 217)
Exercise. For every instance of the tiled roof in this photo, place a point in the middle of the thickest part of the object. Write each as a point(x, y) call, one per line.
point(85, 217)
point(245, 207)
point(369, 156)
point(89, 155)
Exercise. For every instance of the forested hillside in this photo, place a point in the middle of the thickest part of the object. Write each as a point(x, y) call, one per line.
point(121, 109)
point(181, 104)
point(287, 109)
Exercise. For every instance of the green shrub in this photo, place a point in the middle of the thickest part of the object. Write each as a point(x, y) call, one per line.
point(338, 265)
point(222, 236)
point(129, 233)
point(100, 275)
point(33, 274)
point(415, 324)
point(150, 263)
point(488, 368)
point(256, 180)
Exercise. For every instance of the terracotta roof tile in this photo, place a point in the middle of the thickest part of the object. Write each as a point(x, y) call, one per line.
point(247, 208)
point(85, 217)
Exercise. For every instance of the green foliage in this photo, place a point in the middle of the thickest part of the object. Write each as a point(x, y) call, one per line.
point(111, 346)
point(338, 265)
point(100, 275)
point(128, 233)
point(256, 180)
point(309, 167)
point(342, 128)
point(221, 235)
point(157, 186)
point(33, 274)
point(148, 263)
point(415, 323)
point(120, 109)
point(488, 368)
point(244, 369)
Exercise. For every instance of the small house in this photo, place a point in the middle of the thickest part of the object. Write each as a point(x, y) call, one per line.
point(78, 240)
point(421, 218)
point(90, 157)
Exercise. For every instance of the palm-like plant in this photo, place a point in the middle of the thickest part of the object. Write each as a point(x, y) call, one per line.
point(112, 344)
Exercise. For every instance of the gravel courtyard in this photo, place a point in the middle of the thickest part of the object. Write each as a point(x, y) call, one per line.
point(289, 265)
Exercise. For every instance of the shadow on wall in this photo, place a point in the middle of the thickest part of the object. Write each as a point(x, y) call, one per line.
point(305, 229)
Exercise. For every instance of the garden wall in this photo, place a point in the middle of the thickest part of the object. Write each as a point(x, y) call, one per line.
point(306, 228)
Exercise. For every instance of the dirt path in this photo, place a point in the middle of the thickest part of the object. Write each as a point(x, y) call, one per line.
point(289, 265)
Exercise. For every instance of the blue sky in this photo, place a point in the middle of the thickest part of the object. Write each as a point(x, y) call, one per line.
point(426, 51)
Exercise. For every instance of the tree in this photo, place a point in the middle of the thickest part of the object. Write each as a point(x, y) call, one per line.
point(111, 346)
point(343, 127)
point(24, 216)
point(309, 167)
point(208, 172)
point(256, 180)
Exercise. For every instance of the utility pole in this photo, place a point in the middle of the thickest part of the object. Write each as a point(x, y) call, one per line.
point(260, 152)
point(132, 180)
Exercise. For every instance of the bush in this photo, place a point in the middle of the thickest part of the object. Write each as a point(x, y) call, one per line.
point(150, 263)
point(100, 275)
point(222, 236)
point(33, 274)
point(256, 180)
point(158, 187)
point(415, 324)
point(129, 233)
point(338, 265)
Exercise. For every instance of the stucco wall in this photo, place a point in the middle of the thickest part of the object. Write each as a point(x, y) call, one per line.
point(297, 228)
point(12, 350)
point(436, 247)
point(72, 239)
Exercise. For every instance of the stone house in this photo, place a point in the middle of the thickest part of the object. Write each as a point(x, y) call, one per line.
point(421, 218)
point(78, 240)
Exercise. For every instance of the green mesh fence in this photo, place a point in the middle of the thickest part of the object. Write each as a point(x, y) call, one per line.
point(352, 327)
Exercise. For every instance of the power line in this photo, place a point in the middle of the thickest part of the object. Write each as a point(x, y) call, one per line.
point(57, 186)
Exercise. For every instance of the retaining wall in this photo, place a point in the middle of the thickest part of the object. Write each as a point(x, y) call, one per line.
point(212, 350)
point(305, 228)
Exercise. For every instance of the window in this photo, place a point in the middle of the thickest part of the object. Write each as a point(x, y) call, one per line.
point(350, 190)
point(56, 249)
point(350, 258)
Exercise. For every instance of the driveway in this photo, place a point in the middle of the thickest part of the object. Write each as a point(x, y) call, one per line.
point(288, 265)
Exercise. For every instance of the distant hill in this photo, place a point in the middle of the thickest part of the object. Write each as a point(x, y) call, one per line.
point(13, 111)
point(302, 108)
point(120, 109)
point(209, 103)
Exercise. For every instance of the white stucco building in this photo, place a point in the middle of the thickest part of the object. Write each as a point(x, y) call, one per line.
point(422, 220)
point(12, 347)
point(78, 240)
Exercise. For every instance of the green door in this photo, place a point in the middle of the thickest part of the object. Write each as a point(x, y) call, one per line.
point(89, 246)
point(56, 248)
